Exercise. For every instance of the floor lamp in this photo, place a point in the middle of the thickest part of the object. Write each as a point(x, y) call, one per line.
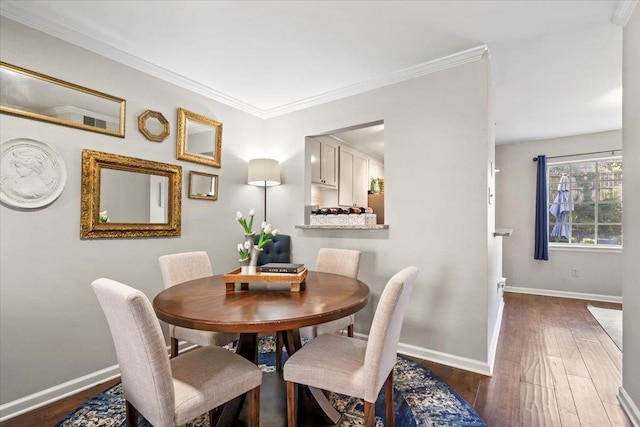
point(264, 173)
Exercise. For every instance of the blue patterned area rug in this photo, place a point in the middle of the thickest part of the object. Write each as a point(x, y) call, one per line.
point(421, 399)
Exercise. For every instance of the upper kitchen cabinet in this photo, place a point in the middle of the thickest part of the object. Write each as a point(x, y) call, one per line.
point(339, 166)
point(354, 178)
point(324, 162)
point(376, 169)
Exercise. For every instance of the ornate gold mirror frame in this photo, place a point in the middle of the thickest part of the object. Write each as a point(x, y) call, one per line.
point(125, 197)
point(32, 95)
point(199, 139)
point(153, 125)
point(203, 186)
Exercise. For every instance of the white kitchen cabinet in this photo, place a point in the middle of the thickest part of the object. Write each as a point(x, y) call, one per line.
point(360, 181)
point(376, 169)
point(324, 161)
point(354, 178)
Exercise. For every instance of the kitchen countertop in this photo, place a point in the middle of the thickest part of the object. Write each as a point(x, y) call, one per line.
point(343, 227)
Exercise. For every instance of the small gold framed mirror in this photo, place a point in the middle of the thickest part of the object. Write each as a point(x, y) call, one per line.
point(203, 186)
point(124, 197)
point(199, 139)
point(153, 125)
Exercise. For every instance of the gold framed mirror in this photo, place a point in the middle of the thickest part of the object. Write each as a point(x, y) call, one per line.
point(127, 197)
point(32, 95)
point(153, 125)
point(199, 139)
point(203, 186)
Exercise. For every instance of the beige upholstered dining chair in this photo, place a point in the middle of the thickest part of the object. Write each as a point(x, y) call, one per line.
point(351, 366)
point(345, 262)
point(170, 392)
point(179, 268)
point(337, 261)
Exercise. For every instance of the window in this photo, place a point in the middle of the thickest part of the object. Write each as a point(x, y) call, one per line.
point(585, 202)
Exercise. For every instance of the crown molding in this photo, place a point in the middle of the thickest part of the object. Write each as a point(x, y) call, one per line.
point(14, 12)
point(623, 12)
point(386, 80)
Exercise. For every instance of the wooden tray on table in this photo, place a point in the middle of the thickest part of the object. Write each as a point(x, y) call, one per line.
point(296, 280)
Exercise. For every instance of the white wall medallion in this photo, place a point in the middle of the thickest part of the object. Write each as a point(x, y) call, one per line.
point(32, 174)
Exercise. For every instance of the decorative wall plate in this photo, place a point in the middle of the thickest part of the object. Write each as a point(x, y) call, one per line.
point(32, 174)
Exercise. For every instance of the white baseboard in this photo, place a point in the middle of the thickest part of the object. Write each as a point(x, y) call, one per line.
point(564, 294)
point(452, 360)
point(37, 400)
point(629, 407)
point(472, 365)
point(493, 347)
point(52, 394)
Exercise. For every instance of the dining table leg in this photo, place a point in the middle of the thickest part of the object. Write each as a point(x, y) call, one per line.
point(316, 397)
point(229, 412)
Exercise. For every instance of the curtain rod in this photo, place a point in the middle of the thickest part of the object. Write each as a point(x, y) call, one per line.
point(535, 159)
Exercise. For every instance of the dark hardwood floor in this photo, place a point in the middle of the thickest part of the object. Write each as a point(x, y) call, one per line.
point(555, 366)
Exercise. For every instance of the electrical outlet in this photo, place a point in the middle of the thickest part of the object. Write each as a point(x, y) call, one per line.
point(575, 272)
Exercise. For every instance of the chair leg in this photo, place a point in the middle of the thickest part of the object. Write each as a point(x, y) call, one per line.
point(279, 345)
point(254, 407)
point(292, 404)
point(214, 416)
point(174, 347)
point(369, 414)
point(388, 398)
point(350, 330)
point(131, 416)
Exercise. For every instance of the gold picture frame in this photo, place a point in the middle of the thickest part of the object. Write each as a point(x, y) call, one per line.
point(148, 124)
point(65, 103)
point(199, 139)
point(111, 209)
point(203, 186)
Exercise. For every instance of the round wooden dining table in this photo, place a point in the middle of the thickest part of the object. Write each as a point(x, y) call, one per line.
point(258, 308)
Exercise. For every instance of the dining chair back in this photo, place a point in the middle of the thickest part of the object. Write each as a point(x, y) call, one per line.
point(168, 392)
point(351, 366)
point(180, 268)
point(345, 262)
point(384, 334)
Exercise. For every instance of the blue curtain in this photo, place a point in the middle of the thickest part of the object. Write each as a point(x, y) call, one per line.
point(542, 214)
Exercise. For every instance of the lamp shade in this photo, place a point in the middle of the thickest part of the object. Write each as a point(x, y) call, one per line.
point(264, 172)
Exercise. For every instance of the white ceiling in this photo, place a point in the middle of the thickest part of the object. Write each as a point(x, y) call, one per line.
point(556, 64)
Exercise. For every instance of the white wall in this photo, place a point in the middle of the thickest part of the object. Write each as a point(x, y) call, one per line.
point(437, 146)
point(630, 395)
point(436, 150)
point(494, 244)
point(51, 328)
point(599, 273)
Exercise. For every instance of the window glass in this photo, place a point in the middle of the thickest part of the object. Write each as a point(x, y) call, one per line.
point(585, 202)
